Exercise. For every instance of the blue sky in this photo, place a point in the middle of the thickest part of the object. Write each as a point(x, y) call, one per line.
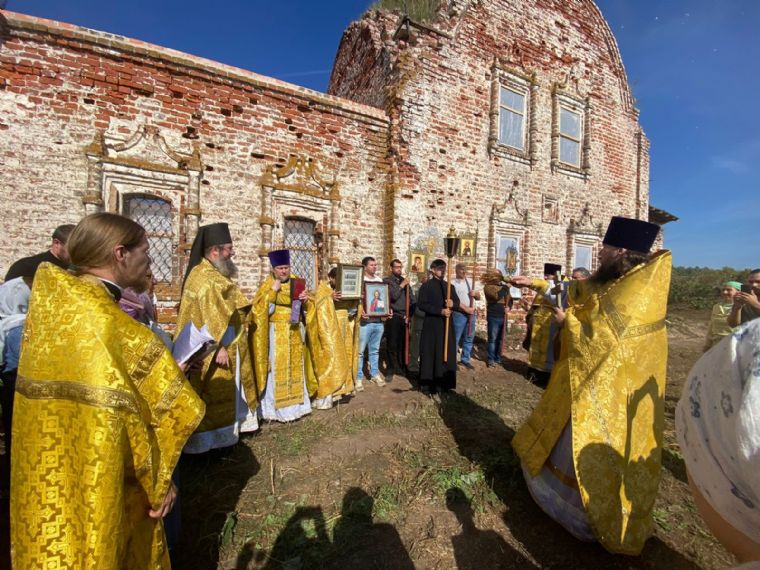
point(693, 65)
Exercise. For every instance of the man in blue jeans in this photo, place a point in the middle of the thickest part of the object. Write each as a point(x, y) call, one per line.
point(463, 318)
point(370, 334)
point(498, 303)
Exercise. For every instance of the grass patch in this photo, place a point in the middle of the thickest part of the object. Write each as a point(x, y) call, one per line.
point(293, 440)
point(471, 482)
point(419, 10)
point(356, 423)
point(266, 528)
point(387, 500)
point(661, 519)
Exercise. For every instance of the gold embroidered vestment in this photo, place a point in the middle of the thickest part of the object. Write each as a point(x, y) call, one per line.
point(325, 345)
point(288, 362)
point(209, 298)
point(348, 329)
point(609, 382)
point(101, 415)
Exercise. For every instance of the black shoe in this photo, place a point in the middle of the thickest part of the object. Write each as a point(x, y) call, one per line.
point(467, 365)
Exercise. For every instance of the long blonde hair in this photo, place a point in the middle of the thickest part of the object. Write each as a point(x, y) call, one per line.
point(91, 243)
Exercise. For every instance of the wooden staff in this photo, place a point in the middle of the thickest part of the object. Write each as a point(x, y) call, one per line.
point(473, 317)
point(406, 327)
point(504, 326)
point(448, 298)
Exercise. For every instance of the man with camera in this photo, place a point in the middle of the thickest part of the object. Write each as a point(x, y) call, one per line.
point(747, 301)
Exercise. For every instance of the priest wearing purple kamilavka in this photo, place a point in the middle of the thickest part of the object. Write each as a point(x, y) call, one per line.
point(278, 344)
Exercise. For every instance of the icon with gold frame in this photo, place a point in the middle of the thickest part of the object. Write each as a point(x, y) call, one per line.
point(417, 262)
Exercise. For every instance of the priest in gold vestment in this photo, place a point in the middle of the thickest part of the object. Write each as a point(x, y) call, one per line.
point(326, 362)
point(279, 344)
point(591, 449)
point(348, 312)
point(543, 329)
point(101, 414)
point(210, 297)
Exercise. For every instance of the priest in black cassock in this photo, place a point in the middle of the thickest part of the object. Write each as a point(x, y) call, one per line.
point(435, 374)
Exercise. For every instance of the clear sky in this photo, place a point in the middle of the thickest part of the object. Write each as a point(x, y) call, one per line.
point(694, 66)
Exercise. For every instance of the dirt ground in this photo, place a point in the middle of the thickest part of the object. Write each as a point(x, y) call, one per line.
point(393, 479)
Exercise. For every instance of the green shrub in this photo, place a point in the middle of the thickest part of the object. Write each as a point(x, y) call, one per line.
point(698, 287)
point(418, 10)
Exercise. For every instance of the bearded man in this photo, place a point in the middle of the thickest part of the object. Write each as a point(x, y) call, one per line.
point(591, 449)
point(278, 341)
point(438, 370)
point(225, 382)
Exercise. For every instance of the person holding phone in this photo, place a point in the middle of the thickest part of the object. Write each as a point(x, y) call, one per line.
point(747, 301)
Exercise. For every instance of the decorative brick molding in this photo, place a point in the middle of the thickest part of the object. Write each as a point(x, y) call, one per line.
point(297, 189)
point(144, 163)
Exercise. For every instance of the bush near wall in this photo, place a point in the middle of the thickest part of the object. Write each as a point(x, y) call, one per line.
point(698, 287)
point(418, 10)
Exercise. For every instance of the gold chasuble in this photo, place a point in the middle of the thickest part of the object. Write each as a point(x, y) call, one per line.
point(542, 332)
point(610, 383)
point(101, 414)
point(349, 333)
point(288, 365)
point(209, 298)
point(327, 367)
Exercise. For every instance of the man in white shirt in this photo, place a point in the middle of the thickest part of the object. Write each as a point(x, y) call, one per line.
point(370, 333)
point(464, 318)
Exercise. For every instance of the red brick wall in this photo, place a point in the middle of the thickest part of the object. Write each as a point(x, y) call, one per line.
point(61, 85)
point(437, 91)
point(409, 150)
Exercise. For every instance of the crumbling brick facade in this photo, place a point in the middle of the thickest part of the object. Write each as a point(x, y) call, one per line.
point(89, 119)
point(441, 85)
point(409, 141)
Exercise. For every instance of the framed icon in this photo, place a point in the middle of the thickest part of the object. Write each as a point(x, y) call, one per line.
point(297, 286)
point(377, 300)
point(466, 247)
point(349, 280)
point(417, 262)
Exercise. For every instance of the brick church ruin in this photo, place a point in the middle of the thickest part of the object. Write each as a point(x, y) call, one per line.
point(511, 121)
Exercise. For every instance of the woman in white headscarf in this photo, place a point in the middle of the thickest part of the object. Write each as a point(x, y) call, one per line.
point(14, 302)
point(718, 423)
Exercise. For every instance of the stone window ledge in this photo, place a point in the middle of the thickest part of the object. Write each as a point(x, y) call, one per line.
point(570, 170)
point(513, 154)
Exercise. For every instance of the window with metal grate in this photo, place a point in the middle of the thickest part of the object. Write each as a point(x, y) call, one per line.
point(155, 215)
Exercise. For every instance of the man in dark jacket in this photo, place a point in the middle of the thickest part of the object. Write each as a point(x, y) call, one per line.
point(57, 255)
point(395, 326)
point(435, 374)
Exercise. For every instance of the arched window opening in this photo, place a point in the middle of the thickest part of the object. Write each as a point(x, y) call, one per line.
point(155, 215)
point(299, 237)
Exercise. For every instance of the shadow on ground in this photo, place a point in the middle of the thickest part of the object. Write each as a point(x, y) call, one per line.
point(483, 437)
point(214, 479)
point(358, 542)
